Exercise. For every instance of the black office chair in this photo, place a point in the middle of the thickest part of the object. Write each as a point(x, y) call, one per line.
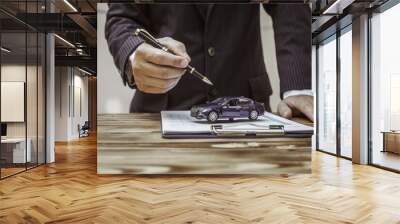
point(84, 130)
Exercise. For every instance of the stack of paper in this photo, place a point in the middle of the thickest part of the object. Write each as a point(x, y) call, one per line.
point(181, 124)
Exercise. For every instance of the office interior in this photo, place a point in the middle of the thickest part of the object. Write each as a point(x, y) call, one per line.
point(337, 79)
point(49, 82)
point(45, 87)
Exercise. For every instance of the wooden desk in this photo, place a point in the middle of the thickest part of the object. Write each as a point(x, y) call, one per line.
point(132, 144)
point(391, 141)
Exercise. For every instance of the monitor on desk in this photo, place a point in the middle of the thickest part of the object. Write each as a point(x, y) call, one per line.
point(3, 130)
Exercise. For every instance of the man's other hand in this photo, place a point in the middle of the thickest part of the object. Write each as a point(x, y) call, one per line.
point(294, 106)
point(156, 71)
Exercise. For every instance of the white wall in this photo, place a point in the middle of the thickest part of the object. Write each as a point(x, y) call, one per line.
point(69, 84)
point(17, 73)
point(61, 103)
point(113, 97)
point(79, 117)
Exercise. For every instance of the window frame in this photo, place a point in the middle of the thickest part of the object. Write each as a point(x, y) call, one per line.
point(44, 41)
point(333, 37)
point(378, 10)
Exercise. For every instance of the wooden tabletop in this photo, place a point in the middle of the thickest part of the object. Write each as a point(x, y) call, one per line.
point(132, 144)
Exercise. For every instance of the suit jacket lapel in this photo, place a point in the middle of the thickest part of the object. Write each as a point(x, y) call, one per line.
point(209, 11)
point(204, 10)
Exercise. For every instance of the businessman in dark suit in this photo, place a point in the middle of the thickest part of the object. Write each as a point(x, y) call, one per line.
point(221, 41)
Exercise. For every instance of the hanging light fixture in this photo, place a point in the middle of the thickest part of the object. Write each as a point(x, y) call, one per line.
point(70, 5)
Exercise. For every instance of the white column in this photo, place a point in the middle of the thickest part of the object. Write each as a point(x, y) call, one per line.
point(314, 89)
point(50, 99)
point(50, 92)
point(360, 90)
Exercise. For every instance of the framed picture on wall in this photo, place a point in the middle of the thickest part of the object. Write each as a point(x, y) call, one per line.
point(12, 101)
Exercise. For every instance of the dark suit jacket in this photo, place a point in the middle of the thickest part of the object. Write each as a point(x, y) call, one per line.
point(237, 67)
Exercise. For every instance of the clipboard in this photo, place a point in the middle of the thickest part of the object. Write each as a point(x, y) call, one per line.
point(272, 130)
point(179, 124)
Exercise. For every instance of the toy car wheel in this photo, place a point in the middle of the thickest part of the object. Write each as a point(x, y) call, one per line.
point(253, 115)
point(212, 116)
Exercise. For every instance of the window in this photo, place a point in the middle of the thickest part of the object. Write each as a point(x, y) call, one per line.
point(243, 102)
point(22, 77)
point(327, 95)
point(346, 92)
point(233, 102)
point(385, 88)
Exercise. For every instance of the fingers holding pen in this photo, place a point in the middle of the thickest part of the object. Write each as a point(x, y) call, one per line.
point(156, 71)
point(160, 57)
point(177, 47)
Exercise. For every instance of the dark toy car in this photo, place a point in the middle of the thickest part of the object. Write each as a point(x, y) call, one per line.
point(228, 107)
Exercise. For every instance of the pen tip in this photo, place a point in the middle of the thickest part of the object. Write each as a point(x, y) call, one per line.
point(208, 81)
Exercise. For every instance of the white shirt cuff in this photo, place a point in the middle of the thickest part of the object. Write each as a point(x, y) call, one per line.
point(132, 57)
point(307, 92)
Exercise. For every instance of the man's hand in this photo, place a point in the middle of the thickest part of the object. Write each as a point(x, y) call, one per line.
point(156, 71)
point(293, 106)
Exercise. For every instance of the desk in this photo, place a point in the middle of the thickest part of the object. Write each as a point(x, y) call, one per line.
point(15, 154)
point(391, 141)
point(132, 144)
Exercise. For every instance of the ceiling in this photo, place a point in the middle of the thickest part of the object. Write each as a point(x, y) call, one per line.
point(75, 21)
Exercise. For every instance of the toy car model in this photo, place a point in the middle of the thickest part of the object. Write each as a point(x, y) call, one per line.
point(228, 108)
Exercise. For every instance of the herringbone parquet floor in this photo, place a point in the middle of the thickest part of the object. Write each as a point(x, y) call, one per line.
point(70, 191)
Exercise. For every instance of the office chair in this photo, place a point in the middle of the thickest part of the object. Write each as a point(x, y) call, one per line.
point(84, 130)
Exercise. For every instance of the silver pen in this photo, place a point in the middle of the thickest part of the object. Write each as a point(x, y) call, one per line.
point(148, 38)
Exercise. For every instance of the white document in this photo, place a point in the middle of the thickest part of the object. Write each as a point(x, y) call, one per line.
point(181, 123)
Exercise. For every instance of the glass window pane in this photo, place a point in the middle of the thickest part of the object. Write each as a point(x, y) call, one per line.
point(31, 97)
point(22, 64)
point(385, 84)
point(14, 153)
point(32, 86)
point(327, 96)
point(41, 99)
point(346, 94)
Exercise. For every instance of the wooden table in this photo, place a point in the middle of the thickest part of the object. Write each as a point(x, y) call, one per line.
point(132, 144)
point(391, 141)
